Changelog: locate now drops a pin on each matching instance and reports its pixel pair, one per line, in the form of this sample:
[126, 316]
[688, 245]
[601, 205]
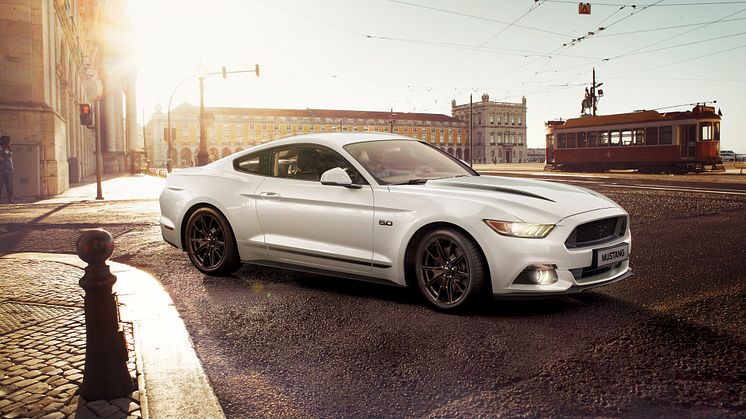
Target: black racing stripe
[334, 258]
[494, 189]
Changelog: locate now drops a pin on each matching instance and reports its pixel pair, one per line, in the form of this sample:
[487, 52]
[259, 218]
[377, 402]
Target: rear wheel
[210, 243]
[450, 269]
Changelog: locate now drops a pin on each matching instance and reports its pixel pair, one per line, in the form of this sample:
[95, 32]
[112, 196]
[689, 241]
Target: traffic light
[86, 115]
[225, 73]
[256, 69]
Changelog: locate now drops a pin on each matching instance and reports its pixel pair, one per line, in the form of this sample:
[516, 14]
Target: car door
[310, 224]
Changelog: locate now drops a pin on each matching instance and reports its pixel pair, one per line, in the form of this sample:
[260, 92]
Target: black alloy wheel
[210, 243]
[450, 269]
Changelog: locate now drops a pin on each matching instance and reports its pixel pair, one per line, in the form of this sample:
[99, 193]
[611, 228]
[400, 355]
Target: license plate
[612, 255]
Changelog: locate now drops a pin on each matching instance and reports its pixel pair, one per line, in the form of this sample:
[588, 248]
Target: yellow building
[233, 129]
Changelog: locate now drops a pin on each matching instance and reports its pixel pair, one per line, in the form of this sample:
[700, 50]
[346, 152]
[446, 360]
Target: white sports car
[386, 208]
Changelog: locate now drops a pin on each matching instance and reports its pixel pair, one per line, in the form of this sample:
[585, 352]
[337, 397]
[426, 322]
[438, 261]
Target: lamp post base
[202, 158]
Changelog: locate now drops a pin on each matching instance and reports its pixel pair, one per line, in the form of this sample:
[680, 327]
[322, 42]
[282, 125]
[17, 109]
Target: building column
[134, 140]
[135, 144]
[111, 146]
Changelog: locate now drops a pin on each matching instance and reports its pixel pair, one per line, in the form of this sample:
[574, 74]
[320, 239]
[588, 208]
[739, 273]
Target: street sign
[584, 8]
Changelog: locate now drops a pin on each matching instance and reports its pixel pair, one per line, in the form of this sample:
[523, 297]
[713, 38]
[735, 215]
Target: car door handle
[269, 195]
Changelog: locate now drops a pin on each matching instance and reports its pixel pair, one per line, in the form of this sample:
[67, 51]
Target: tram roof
[632, 118]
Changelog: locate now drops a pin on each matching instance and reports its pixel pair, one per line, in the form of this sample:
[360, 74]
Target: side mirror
[338, 177]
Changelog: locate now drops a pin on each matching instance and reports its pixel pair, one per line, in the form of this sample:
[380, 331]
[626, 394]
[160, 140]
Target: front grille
[597, 232]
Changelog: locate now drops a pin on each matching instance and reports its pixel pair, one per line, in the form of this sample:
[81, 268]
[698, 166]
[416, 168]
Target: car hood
[531, 201]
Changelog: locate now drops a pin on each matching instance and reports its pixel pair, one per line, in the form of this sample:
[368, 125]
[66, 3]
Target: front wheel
[450, 269]
[210, 243]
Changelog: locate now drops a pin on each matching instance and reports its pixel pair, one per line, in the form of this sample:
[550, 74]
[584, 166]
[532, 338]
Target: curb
[173, 382]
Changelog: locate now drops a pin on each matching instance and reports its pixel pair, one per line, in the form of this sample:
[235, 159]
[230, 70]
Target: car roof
[337, 138]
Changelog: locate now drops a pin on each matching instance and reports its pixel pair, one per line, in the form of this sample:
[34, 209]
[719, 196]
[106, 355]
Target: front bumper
[508, 257]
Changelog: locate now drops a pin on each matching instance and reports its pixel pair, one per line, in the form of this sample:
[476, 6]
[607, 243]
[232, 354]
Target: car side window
[255, 163]
[309, 163]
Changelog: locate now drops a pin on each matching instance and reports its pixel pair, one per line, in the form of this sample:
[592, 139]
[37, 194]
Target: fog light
[538, 274]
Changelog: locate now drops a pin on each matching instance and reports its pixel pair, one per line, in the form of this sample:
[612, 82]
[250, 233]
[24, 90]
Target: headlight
[532, 231]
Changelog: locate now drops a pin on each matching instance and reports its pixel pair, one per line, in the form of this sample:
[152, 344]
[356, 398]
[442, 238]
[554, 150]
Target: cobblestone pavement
[42, 331]
[42, 345]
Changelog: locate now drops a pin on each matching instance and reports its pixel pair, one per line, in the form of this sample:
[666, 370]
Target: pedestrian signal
[584, 8]
[86, 115]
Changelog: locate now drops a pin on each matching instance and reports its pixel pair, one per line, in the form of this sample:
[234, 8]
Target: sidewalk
[42, 334]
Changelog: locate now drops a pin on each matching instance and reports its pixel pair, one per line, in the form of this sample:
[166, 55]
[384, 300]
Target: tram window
[717, 131]
[561, 141]
[639, 137]
[592, 139]
[626, 137]
[665, 135]
[603, 138]
[705, 131]
[616, 138]
[581, 140]
[651, 135]
[571, 140]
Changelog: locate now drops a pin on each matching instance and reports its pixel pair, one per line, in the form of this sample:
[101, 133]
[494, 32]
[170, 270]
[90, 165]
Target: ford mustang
[386, 208]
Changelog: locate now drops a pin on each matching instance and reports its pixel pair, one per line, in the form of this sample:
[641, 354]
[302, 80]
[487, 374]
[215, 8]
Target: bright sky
[417, 55]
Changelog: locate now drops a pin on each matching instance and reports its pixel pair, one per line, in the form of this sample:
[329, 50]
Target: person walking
[6, 168]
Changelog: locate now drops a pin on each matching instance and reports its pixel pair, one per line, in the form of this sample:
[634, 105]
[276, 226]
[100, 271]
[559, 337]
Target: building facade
[499, 129]
[54, 56]
[233, 129]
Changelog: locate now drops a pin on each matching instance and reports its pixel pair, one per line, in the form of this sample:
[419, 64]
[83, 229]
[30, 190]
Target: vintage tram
[648, 141]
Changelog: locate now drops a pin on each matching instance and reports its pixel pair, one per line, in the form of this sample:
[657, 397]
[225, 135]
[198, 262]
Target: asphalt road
[670, 341]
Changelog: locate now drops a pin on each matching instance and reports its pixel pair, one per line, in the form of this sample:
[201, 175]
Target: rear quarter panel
[231, 193]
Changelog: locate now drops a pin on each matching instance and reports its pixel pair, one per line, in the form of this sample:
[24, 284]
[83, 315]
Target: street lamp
[202, 156]
[202, 138]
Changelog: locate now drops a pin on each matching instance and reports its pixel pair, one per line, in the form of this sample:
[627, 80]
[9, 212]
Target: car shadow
[258, 276]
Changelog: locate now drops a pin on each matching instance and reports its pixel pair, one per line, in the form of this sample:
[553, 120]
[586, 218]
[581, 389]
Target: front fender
[399, 216]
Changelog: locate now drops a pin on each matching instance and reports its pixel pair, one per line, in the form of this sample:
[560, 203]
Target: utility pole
[144, 143]
[99, 157]
[471, 131]
[202, 156]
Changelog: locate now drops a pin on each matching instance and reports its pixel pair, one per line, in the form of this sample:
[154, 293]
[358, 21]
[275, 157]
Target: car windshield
[405, 161]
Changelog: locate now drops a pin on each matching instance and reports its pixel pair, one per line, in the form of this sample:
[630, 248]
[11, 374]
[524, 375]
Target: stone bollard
[105, 376]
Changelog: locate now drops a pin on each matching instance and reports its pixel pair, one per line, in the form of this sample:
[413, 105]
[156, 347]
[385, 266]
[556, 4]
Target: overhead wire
[556, 51]
[338, 26]
[453, 12]
[643, 50]
[709, 3]
[675, 36]
[638, 31]
[681, 62]
[506, 51]
[533, 7]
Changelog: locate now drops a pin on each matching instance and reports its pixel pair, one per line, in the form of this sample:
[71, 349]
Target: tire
[450, 269]
[210, 243]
